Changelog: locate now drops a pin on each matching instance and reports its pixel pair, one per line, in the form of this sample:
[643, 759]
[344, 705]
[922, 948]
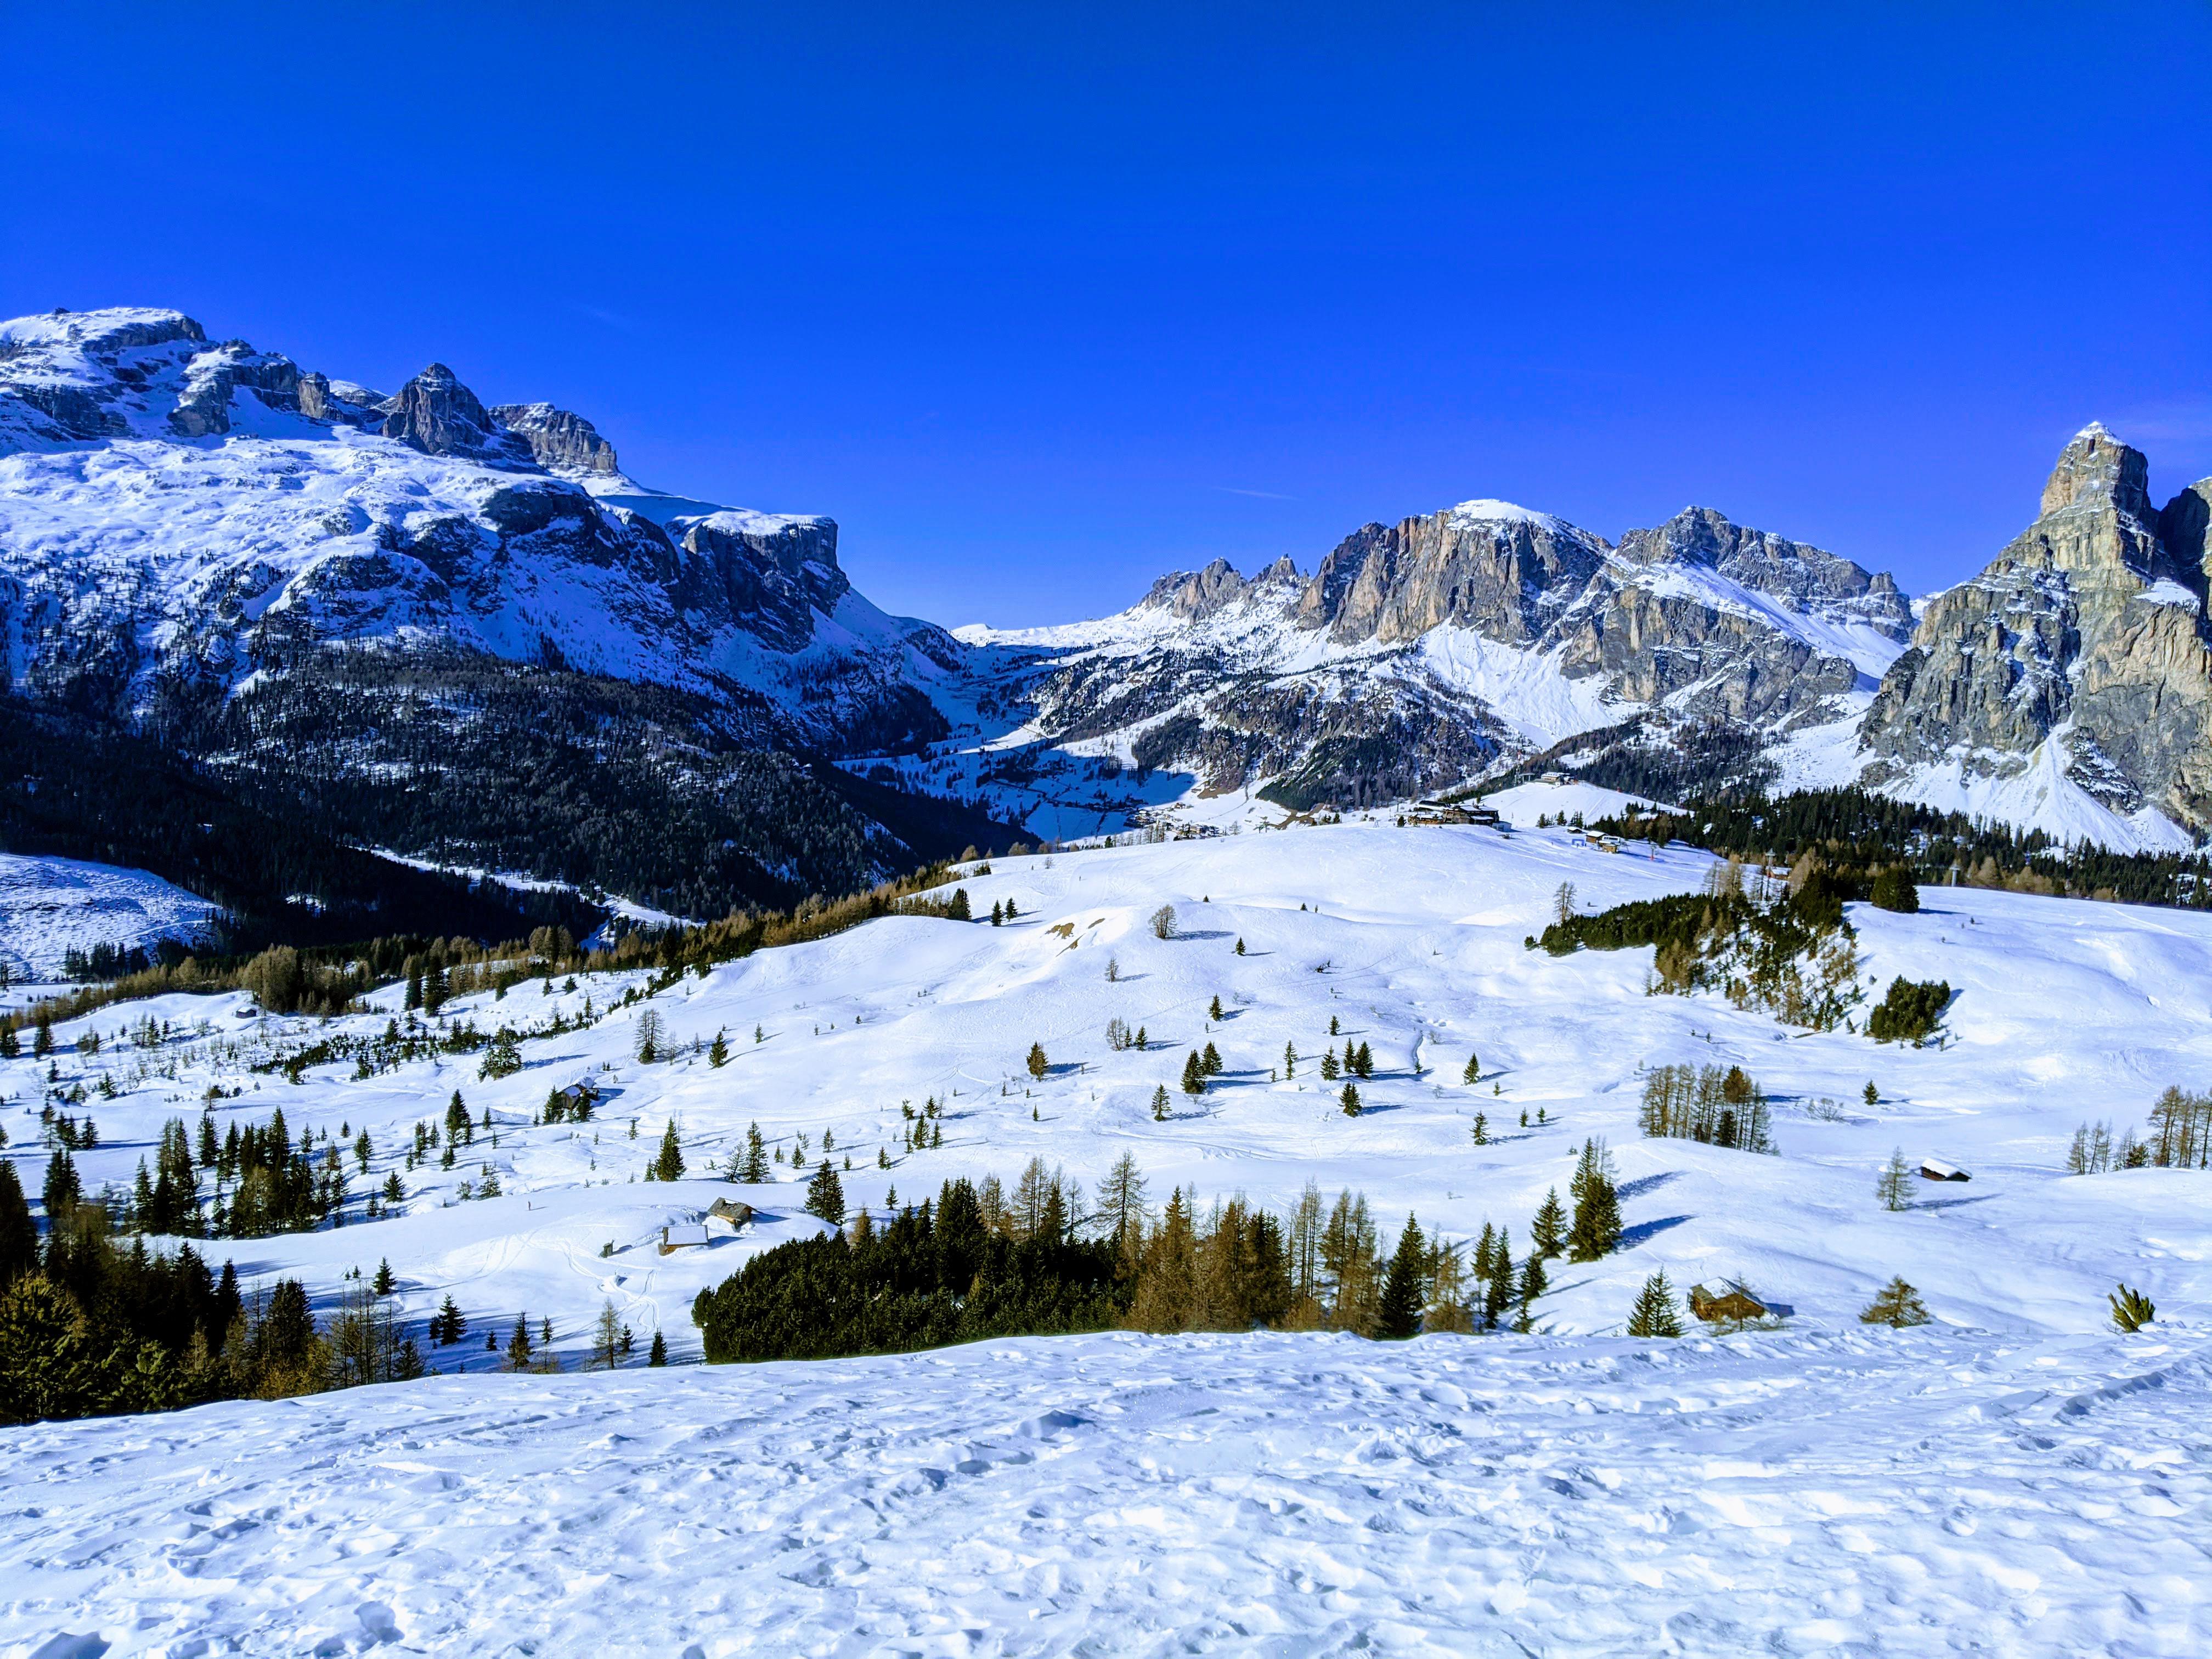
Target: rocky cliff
[2083, 644]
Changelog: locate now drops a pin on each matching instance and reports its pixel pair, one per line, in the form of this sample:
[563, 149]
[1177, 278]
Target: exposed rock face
[434, 412]
[2089, 627]
[559, 441]
[767, 573]
[1486, 565]
[213, 377]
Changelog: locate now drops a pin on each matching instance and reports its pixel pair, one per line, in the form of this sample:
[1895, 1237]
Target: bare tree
[1164, 923]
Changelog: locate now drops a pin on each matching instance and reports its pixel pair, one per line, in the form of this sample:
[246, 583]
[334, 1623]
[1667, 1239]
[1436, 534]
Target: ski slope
[1979, 1483]
[1869, 1493]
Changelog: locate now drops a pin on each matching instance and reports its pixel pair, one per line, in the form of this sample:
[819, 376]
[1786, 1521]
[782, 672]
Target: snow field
[1873, 1493]
[50, 905]
[2069, 1012]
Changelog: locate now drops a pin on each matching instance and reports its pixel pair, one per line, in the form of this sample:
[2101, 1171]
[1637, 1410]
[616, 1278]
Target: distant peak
[2097, 468]
[1489, 511]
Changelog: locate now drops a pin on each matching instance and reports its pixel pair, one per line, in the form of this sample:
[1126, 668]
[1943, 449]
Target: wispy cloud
[1257, 495]
[612, 320]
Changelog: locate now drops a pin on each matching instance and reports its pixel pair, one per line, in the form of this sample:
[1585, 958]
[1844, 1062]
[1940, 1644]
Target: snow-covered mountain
[282, 570]
[1448, 646]
[176, 515]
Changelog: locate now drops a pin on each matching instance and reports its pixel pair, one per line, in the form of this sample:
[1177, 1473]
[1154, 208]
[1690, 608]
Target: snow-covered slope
[1414, 941]
[1906, 1493]
[49, 906]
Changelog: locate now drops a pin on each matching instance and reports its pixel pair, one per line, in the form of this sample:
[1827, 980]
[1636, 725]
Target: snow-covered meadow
[1825, 1489]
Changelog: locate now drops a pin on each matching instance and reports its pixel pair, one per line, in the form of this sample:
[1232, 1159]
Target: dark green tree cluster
[1909, 1012]
[1596, 1231]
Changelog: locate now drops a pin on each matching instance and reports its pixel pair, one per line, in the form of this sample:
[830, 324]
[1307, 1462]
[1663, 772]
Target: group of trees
[1719, 1107]
[1784, 948]
[88, 1326]
[1909, 1012]
[1862, 835]
[980, 1261]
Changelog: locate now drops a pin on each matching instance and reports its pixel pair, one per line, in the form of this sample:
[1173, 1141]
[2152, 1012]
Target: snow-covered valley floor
[2015, 1478]
[1864, 1493]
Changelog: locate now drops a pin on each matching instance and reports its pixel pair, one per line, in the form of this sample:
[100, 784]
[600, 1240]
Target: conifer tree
[518, 1345]
[1363, 1065]
[1872, 1095]
[1897, 1305]
[668, 1163]
[658, 1355]
[754, 1171]
[1655, 1314]
[1534, 1280]
[1038, 1064]
[393, 1192]
[1290, 1061]
[1893, 1187]
[10, 1045]
[19, 1234]
[1330, 1070]
[1498, 1295]
[1332, 1025]
[1481, 1129]
[1404, 1287]
[42, 1040]
[1211, 1060]
[1548, 1230]
[1350, 1100]
[1138, 1041]
[997, 915]
[361, 1150]
[1213, 1012]
[1160, 1104]
[1194, 1074]
[1596, 1228]
[1240, 945]
[825, 1195]
[384, 1282]
[719, 1054]
[1486, 1252]
[1474, 1072]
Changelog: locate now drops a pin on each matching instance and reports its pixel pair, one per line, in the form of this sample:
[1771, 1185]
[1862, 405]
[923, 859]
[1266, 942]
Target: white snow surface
[49, 906]
[1869, 1493]
[2010, 1480]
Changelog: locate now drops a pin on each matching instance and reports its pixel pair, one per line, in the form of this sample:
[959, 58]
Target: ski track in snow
[1870, 1493]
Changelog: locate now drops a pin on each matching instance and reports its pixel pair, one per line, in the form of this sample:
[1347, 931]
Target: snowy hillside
[1413, 942]
[49, 906]
[1902, 1493]
[2005, 1476]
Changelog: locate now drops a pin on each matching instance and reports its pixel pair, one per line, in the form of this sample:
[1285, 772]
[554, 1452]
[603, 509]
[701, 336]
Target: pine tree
[1596, 1228]
[448, 1325]
[393, 1192]
[997, 915]
[1194, 1075]
[518, 1345]
[1334, 1027]
[754, 1171]
[42, 1040]
[1160, 1104]
[1210, 1061]
[1481, 1129]
[458, 1129]
[1486, 1253]
[1872, 1095]
[719, 1054]
[825, 1195]
[1498, 1295]
[1363, 1067]
[384, 1283]
[1290, 1061]
[658, 1355]
[1330, 1070]
[1474, 1072]
[1404, 1291]
[1350, 1100]
[1655, 1314]
[1213, 1012]
[19, 1233]
[1240, 946]
[668, 1163]
[1893, 1186]
[10, 1045]
[1138, 1041]
[1896, 1304]
[1038, 1064]
[1533, 1282]
[361, 1151]
[502, 1059]
[1549, 1230]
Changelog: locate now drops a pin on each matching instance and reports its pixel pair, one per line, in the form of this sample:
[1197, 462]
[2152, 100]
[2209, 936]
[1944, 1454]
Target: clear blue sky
[1040, 301]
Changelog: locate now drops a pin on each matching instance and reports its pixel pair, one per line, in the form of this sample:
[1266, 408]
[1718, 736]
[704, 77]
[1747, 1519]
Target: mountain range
[463, 633]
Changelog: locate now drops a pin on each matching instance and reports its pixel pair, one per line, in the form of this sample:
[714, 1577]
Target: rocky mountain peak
[560, 440]
[2096, 470]
[1192, 596]
[434, 412]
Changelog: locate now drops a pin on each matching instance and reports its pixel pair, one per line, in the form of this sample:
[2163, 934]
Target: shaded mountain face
[1430, 652]
[195, 538]
[2083, 644]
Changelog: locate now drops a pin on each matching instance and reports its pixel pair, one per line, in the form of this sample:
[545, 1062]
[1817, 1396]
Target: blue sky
[1040, 301]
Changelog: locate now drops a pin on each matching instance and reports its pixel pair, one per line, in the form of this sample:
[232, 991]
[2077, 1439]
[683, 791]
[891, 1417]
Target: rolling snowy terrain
[1817, 1489]
[50, 905]
[1870, 1493]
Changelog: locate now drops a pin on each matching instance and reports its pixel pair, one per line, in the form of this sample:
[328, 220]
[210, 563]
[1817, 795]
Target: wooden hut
[679, 1234]
[1935, 1168]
